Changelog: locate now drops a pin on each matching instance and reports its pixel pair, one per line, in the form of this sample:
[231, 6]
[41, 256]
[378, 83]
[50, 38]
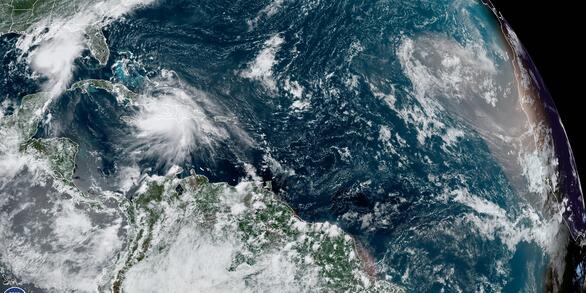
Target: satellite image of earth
[280, 146]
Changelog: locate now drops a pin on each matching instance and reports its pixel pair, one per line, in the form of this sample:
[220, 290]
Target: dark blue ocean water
[15, 77]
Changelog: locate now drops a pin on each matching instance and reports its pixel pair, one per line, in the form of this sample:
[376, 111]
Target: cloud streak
[55, 42]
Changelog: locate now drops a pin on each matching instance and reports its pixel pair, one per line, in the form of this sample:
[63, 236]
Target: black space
[553, 34]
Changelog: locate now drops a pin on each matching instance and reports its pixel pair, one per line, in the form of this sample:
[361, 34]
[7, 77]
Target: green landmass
[29, 114]
[60, 153]
[97, 44]
[18, 15]
[121, 92]
[261, 223]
